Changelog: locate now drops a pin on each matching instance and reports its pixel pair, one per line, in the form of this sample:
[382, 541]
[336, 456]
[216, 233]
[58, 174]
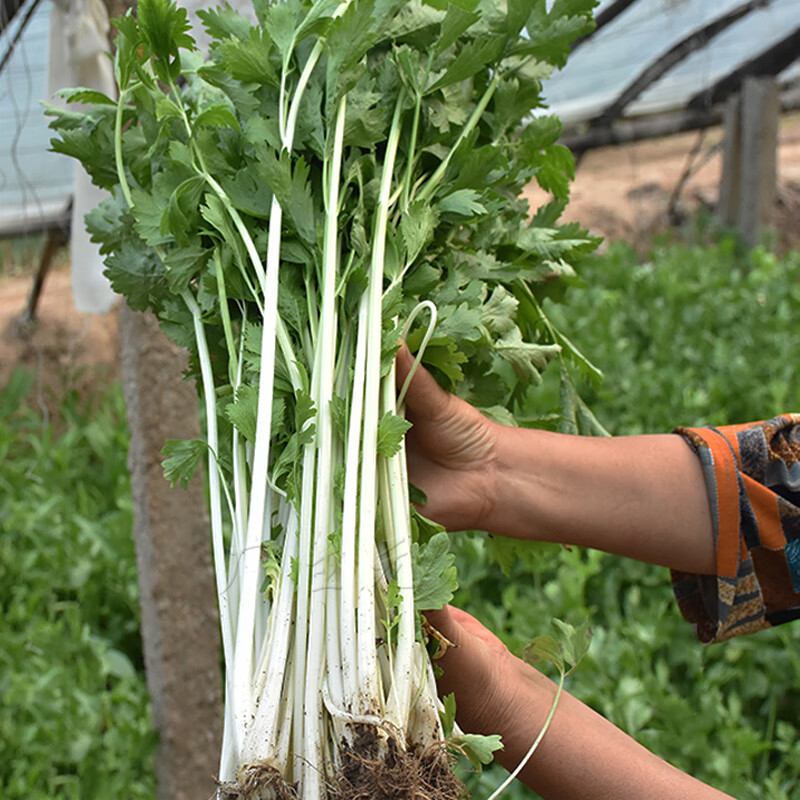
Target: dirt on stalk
[378, 768]
[374, 767]
[258, 782]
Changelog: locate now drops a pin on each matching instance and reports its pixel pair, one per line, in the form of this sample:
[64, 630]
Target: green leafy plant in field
[695, 334]
[698, 332]
[74, 708]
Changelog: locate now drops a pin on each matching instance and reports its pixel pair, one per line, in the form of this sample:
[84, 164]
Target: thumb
[424, 396]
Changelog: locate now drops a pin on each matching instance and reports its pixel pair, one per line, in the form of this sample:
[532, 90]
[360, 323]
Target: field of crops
[700, 332]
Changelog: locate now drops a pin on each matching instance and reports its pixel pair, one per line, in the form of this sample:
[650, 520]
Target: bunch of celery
[334, 178]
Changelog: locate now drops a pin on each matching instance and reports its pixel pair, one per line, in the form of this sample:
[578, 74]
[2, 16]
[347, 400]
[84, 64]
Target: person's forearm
[640, 496]
[583, 756]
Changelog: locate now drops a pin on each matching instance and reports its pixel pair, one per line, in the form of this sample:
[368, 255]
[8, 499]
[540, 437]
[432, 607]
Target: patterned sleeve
[752, 474]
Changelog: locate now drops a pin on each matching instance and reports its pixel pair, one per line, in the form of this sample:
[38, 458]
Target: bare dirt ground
[625, 192]
[619, 193]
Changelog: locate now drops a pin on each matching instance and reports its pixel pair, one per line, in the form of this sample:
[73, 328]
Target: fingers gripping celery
[287, 207]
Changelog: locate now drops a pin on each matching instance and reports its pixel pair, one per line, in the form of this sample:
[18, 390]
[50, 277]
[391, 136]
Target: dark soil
[375, 767]
[258, 782]
[378, 768]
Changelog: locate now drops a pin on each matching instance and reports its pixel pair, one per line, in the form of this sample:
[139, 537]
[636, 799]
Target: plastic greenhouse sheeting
[34, 183]
[601, 68]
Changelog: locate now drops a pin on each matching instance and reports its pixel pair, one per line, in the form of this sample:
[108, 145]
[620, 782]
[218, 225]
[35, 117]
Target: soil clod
[257, 782]
[374, 768]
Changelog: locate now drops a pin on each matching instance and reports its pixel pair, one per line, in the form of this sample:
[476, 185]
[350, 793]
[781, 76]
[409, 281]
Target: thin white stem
[301, 644]
[400, 552]
[322, 392]
[501, 788]
[367, 659]
[349, 643]
[424, 305]
[215, 494]
[270, 676]
[227, 758]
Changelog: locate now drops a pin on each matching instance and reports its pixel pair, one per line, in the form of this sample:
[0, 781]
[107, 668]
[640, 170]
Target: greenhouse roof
[601, 68]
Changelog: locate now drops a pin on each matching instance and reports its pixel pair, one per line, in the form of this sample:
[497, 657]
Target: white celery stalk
[367, 659]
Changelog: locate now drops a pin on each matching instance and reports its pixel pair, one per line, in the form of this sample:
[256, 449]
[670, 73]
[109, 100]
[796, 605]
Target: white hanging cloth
[78, 46]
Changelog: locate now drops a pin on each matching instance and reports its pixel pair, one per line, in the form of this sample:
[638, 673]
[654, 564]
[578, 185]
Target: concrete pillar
[749, 173]
[760, 108]
[180, 626]
[730, 182]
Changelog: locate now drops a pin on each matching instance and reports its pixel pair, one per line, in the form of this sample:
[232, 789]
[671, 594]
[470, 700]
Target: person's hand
[581, 757]
[451, 451]
[478, 668]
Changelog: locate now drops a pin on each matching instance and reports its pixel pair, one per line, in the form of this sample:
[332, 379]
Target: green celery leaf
[291, 187]
[556, 170]
[181, 459]
[279, 20]
[391, 430]
[90, 96]
[418, 497]
[177, 322]
[165, 29]
[448, 714]
[544, 649]
[574, 641]
[499, 312]
[464, 203]
[91, 143]
[499, 414]
[417, 227]
[477, 748]
[456, 22]
[461, 323]
[248, 194]
[434, 572]
[243, 412]
[126, 48]
[183, 265]
[182, 213]
[552, 34]
[348, 39]
[554, 243]
[476, 55]
[527, 358]
[166, 108]
[135, 271]
[249, 61]
[223, 21]
[108, 223]
[241, 94]
[486, 266]
[539, 133]
[443, 356]
[317, 19]
[338, 411]
[304, 413]
[218, 116]
[422, 279]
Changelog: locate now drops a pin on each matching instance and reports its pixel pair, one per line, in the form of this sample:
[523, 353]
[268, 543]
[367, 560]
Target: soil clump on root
[258, 782]
[376, 768]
